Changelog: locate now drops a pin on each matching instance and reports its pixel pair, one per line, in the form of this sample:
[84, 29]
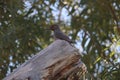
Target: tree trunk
[59, 60]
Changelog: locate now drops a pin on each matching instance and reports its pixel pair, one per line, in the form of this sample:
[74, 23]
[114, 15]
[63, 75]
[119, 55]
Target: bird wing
[61, 35]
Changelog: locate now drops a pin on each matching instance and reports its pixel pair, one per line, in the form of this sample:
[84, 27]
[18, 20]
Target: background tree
[93, 24]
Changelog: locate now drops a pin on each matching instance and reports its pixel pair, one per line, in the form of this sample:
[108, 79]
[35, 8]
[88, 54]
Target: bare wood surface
[55, 62]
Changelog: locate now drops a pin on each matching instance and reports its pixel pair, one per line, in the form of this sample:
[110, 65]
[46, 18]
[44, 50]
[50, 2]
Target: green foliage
[92, 23]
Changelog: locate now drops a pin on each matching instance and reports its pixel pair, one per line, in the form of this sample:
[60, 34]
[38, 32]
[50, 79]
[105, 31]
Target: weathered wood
[55, 62]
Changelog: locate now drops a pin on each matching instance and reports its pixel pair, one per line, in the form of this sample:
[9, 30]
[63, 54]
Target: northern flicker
[58, 34]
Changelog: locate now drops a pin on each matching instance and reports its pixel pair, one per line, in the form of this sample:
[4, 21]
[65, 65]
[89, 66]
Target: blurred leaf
[98, 59]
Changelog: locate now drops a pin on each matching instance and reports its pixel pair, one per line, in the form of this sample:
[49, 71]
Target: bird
[58, 34]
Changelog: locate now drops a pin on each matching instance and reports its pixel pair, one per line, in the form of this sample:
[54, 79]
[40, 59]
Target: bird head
[54, 27]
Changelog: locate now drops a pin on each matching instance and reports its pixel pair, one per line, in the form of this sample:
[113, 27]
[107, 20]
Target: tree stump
[59, 60]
